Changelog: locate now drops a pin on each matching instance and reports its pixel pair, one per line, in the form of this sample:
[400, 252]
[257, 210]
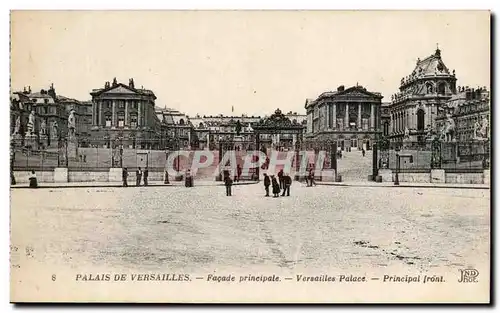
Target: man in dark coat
[138, 177]
[146, 173]
[276, 187]
[267, 183]
[239, 171]
[280, 178]
[229, 183]
[124, 177]
[287, 182]
[311, 178]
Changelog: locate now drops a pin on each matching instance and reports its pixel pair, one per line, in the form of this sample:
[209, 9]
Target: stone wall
[465, 178]
[449, 178]
[22, 177]
[88, 176]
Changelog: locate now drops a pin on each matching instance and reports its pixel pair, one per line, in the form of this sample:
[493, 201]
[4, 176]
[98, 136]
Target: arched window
[181, 122]
[441, 88]
[429, 88]
[420, 120]
[386, 128]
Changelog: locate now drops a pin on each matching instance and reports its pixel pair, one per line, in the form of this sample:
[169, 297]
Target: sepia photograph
[232, 156]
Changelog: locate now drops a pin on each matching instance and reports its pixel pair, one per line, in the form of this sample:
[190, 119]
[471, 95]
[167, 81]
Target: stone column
[99, 113]
[334, 117]
[346, 118]
[359, 116]
[328, 125]
[427, 118]
[372, 116]
[126, 113]
[93, 113]
[113, 116]
[139, 111]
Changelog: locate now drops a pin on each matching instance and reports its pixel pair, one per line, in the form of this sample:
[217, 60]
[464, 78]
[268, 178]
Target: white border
[183, 5]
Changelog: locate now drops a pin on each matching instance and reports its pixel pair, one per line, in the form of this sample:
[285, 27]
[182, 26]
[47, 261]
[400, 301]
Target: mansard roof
[431, 65]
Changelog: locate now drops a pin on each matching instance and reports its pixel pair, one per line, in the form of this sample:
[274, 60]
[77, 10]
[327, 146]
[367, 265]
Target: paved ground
[179, 228]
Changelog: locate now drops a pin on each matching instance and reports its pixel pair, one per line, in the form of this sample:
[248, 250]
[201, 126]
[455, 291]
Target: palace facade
[470, 112]
[351, 117]
[51, 116]
[414, 108]
[125, 115]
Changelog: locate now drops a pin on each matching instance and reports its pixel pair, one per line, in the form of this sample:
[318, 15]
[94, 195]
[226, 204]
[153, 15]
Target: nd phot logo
[468, 275]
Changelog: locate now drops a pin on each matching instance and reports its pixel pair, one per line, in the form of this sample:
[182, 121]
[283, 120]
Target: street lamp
[396, 179]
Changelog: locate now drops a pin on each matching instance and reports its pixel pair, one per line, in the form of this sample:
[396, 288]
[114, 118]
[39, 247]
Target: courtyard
[157, 228]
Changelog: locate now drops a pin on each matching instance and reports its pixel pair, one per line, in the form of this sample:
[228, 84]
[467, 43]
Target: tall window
[121, 104]
[420, 120]
[107, 118]
[121, 119]
[386, 129]
[441, 88]
[133, 120]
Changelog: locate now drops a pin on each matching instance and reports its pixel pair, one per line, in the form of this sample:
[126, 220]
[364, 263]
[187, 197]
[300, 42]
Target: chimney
[341, 88]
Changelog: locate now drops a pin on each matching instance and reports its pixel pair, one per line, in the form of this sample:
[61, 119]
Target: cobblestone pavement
[318, 227]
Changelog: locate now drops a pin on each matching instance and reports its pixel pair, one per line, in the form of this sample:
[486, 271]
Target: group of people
[283, 182]
[139, 175]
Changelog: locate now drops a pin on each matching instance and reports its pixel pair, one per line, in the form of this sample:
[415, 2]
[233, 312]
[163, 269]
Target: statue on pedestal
[71, 124]
[54, 132]
[484, 128]
[31, 124]
[17, 127]
[43, 128]
[449, 129]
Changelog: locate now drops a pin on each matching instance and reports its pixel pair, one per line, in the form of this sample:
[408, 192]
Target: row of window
[121, 120]
[108, 104]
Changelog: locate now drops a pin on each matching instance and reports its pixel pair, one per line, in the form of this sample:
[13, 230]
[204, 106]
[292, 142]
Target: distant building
[385, 118]
[125, 115]
[351, 117]
[414, 109]
[175, 129]
[51, 115]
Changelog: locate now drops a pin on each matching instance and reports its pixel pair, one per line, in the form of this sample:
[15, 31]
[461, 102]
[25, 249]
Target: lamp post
[396, 179]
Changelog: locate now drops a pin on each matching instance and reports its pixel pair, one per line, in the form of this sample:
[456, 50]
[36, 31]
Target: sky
[208, 62]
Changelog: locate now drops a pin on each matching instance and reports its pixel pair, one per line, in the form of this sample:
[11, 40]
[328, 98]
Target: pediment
[358, 93]
[119, 89]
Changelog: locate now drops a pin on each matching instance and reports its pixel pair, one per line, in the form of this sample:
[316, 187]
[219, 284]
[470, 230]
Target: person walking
[124, 177]
[267, 183]
[311, 178]
[146, 173]
[138, 177]
[239, 170]
[189, 179]
[287, 182]
[276, 187]
[280, 178]
[33, 180]
[229, 183]
[363, 151]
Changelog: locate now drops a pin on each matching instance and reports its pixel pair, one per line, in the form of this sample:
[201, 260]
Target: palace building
[414, 108]
[351, 117]
[470, 111]
[126, 115]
